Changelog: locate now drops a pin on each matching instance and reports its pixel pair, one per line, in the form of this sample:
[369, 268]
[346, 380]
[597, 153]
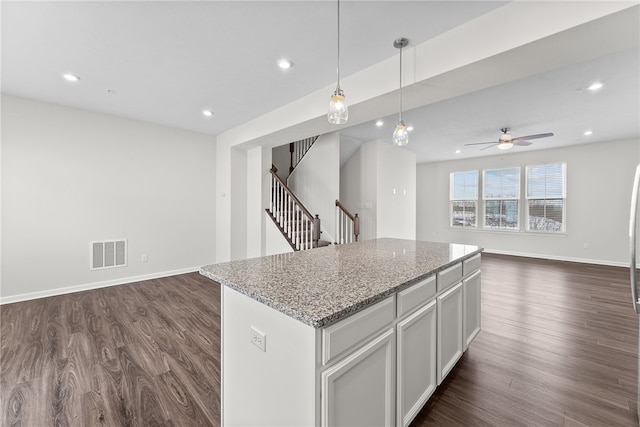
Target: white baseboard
[559, 258]
[89, 286]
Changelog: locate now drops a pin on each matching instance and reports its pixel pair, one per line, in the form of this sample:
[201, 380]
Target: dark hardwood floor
[146, 353]
[558, 347]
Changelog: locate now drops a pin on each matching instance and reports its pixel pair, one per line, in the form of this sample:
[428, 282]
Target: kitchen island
[355, 334]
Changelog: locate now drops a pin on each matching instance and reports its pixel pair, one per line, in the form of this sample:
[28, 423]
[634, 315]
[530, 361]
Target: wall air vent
[108, 254]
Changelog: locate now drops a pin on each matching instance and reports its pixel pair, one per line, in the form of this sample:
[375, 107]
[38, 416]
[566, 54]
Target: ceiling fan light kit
[506, 141]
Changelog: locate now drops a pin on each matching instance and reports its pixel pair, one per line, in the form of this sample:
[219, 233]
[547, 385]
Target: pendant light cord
[338, 70]
[400, 83]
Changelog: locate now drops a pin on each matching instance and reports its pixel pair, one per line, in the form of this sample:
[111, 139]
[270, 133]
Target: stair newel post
[356, 226]
[305, 234]
[316, 230]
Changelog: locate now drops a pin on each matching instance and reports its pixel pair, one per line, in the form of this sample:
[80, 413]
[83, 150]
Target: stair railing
[296, 223]
[298, 149]
[347, 225]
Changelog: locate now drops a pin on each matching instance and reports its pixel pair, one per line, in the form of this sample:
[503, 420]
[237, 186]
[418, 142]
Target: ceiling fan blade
[522, 143]
[481, 143]
[494, 144]
[538, 136]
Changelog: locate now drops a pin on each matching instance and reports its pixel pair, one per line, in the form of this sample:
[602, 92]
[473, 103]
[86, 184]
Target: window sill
[528, 233]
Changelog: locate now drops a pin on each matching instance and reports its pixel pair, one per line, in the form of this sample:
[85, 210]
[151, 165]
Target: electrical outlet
[144, 258]
[259, 339]
[585, 246]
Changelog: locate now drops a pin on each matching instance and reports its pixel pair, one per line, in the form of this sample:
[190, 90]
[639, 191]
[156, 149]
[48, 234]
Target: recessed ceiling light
[207, 113]
[70, 77]
[379, 123]
[458, 151]
[595, 86]
[588, 132]
[409, 128]
[285, 64]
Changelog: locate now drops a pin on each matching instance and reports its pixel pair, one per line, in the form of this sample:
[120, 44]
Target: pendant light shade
[400, 134]
[338, 111]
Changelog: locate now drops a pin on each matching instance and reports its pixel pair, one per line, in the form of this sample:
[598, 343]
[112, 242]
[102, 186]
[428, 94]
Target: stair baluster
[297, 225]
[298, 149]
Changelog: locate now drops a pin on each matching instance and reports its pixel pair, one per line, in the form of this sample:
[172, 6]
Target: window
[463, 188]
[546, 197]
[501, 195]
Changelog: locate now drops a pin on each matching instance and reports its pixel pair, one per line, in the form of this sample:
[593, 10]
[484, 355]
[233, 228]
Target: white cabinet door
[360, 390]
[416, 357]
[450, 341]
[472, 304]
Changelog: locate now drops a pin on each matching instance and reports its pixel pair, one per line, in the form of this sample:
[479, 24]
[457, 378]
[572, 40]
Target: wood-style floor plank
[558, 347]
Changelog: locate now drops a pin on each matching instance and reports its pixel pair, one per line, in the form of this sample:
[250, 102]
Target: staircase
[299, 227]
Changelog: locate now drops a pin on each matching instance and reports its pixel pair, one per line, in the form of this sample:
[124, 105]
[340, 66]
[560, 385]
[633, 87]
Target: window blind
[463, 196]
[501, 195]
[546, 194]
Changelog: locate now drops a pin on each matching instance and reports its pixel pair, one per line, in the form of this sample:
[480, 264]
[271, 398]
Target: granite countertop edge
[334, 317]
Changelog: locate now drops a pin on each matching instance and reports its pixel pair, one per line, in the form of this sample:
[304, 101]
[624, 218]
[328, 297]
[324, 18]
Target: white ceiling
[163, 62]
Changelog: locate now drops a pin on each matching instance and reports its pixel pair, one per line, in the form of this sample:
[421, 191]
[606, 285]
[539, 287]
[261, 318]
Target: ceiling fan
[506, 141]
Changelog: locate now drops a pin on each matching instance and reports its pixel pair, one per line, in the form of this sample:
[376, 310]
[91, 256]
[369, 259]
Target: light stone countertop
[321, 286]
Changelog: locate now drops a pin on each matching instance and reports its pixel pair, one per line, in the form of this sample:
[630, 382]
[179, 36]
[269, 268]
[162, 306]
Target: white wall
[258, 199]
[379, 184]
[71, 176]
[238, 196]
[281, 158]
[358, 189]
[599, 181]
[316, 181]
[396, 205]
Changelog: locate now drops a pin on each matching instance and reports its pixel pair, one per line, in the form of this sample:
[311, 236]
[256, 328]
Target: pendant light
[401, 134]
[338, 112]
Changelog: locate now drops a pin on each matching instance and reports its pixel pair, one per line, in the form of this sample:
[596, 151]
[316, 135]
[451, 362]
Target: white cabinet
[360, 390]
[472, 304]
[450, 318]
[377, 367]
[416, 362]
